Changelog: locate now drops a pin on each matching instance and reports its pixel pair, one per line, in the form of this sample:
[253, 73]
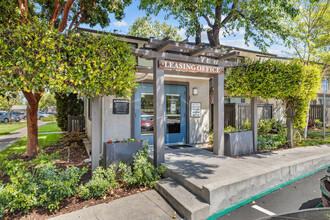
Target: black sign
[120, 106]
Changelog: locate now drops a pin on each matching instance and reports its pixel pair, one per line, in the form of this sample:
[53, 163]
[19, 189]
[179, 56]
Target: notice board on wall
[120, 107]
[195, 109]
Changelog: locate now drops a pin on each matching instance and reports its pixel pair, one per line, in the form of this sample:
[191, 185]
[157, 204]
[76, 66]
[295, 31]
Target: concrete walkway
[213, 183]
[9, 139]
[142, 206]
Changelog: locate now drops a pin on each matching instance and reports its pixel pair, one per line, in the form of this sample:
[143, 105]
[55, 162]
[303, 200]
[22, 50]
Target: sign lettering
[189, 67]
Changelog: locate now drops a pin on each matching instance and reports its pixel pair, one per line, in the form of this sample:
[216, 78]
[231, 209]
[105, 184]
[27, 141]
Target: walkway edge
[246, 201]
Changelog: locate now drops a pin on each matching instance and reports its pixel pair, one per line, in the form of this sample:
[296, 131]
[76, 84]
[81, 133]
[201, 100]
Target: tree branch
[230, 15]
[55, 13]
[207, 20]
[67, 8]
[23, 11]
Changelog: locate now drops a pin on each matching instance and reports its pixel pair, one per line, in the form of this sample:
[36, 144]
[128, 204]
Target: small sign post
[325, 90]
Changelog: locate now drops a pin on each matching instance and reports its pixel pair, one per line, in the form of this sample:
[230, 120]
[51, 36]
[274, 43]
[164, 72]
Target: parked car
[42, 115]
[18, 114]
[4, 117]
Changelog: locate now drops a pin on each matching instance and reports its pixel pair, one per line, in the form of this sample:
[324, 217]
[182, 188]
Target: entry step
[186, 203]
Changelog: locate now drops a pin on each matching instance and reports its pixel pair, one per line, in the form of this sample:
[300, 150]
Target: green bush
[49, 118]
[246, 125]
[102, 181]
[42, 187]
[264, 127]
[67, 105]
[271, 134]
[142, 172]
[318, 123]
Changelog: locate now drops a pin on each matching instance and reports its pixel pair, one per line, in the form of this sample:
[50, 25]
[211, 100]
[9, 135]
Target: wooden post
[96, 132]
[159, 114]
[219, 119]
[254, 122]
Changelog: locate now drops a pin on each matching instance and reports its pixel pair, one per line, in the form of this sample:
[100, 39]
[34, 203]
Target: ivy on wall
[291, 82]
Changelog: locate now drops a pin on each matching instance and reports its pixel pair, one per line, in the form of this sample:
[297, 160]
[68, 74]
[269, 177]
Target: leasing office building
[186, 95]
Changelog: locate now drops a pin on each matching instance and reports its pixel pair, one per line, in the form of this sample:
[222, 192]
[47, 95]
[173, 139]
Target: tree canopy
[310, 31]
[47, 100]
[145, 27]
[259, 19]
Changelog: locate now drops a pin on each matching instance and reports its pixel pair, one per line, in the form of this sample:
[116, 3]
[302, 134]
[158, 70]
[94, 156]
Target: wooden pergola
[187, 59]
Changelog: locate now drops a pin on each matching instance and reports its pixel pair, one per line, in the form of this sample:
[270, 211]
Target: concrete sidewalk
[9, 139]
[143, 206]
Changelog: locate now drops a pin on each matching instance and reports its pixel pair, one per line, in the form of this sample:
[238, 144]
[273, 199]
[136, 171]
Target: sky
[132, 12]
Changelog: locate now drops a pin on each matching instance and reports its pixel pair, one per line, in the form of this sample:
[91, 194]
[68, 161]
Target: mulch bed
[74, 156]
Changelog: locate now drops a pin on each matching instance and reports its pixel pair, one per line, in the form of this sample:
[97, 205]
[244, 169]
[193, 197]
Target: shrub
[230, 129]
[49, 118]
[102, 181]
[142, 172]
[270, 142]
[67, 105]
[246, 125]
[318, 123]
[264, 127]
[42, 187]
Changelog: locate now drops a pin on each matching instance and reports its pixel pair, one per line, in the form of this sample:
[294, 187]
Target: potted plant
[120, 151]
[238, 142]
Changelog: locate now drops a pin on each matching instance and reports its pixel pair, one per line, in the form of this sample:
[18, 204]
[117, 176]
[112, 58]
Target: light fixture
[195, 91]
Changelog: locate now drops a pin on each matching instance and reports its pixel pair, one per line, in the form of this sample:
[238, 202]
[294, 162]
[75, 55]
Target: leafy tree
[35, 58]
[260, 19]
[145, 27]
[47, 100]
[310, 31]
[293, 83]
[43, 59]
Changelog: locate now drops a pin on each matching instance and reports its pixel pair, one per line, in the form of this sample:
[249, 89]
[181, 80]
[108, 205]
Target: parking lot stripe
[263, 210]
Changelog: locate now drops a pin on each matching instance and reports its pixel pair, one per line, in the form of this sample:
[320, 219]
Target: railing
[76, 123]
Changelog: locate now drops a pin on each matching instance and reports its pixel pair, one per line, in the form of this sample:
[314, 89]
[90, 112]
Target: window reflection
[147, 113]
[173, 113]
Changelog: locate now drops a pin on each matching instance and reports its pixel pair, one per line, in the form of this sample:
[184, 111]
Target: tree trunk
[32, 130]
[213, 36]
[198, 38]
[10, 114]
[289, 124]
[32, 122]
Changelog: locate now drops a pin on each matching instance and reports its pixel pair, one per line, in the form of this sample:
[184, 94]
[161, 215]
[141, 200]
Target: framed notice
[195, 109]
[120, 107]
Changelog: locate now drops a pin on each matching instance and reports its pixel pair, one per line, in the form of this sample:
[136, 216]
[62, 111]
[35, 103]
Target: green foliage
[142, 172]
[47, 100]
[318, 123]
[49, 118]
[271, 134]
[291, 82]
[264, 127]
[229, 129]
[310, 31]
[65, 62]
[259, 19]
[67, 105]
[45, 186]
[246, 125]
[145, 27]
[102, 181]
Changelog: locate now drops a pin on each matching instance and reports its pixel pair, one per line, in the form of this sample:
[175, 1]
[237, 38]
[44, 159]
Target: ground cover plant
[57, 180]
[314, 139]
[6, 128]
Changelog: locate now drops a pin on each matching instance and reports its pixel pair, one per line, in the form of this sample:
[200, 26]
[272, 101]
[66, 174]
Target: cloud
[120, 24]
[237, 43]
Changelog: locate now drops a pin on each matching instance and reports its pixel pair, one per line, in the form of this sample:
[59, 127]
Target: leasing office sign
[189, 67]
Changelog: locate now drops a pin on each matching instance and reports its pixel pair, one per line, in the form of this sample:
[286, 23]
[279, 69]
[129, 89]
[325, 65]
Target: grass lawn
[8, 128]
[50, 127]
[20, 146]
[314, 139]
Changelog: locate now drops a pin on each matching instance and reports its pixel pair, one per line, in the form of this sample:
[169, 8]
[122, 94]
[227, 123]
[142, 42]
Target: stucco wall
[88, 122]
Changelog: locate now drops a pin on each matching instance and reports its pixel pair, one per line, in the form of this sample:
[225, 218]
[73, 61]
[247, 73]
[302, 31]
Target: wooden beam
[165, 46]
[166, 38]
[198, 52]
[149, 54]
[229, 55]
[184, 41]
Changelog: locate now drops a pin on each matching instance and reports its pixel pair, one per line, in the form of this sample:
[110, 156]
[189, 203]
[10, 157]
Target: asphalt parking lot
[302, 194]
